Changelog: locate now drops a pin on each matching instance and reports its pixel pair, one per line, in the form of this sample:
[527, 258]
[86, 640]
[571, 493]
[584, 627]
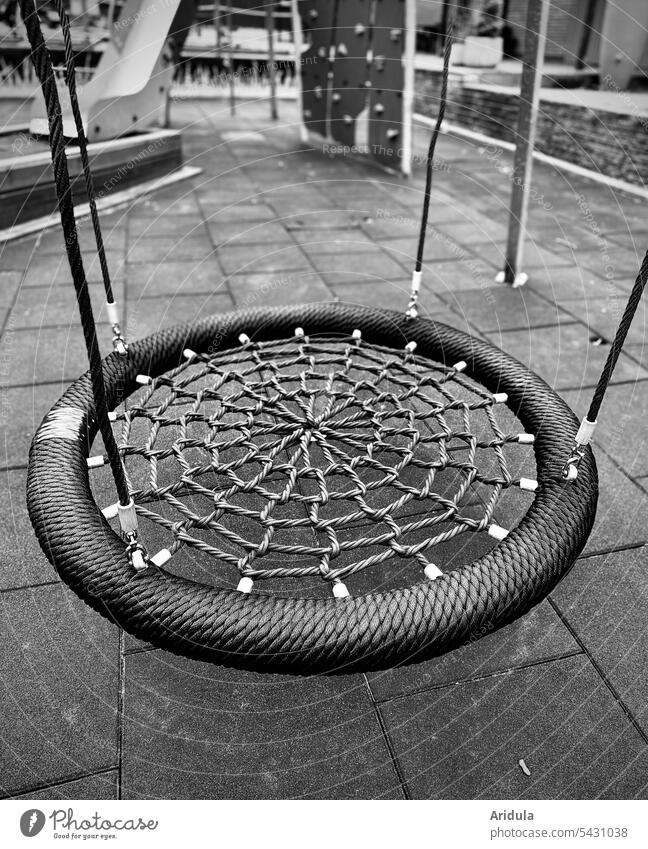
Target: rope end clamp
[582, 440]
[136, 552]
[412, 307]
[119, 343]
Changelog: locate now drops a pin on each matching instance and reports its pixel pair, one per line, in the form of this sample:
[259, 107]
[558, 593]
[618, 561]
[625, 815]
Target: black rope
[619, 340]
[70, 78]
[433, 141]
[42, 62]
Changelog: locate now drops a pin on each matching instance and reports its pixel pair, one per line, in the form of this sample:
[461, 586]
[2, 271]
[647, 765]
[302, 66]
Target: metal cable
[619, 340]
[119, 342]
[70, 79]
[42, 62]
[433, 141]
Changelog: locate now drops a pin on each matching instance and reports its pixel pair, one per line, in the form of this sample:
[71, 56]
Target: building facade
[599, 34]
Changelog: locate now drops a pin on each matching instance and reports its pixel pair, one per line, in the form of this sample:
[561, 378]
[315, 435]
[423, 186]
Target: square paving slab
[198, 731]
[539, 636]
[60, 671]
[23, 563]
[466, 741]
[566, 356]
[103, 785]
[602, 600]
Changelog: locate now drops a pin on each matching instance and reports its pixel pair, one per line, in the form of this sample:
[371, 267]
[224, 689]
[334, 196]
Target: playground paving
[91, 714]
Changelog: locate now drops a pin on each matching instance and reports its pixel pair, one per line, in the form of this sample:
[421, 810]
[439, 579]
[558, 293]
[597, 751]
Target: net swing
[286, 455]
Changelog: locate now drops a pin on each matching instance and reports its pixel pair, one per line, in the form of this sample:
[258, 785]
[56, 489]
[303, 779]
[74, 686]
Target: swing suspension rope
[43, 66]
[119, 343]
[588, 424]
[304, 427]
[412, 309]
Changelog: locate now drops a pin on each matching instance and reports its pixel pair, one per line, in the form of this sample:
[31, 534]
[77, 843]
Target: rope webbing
[280, 440]
[42, 62]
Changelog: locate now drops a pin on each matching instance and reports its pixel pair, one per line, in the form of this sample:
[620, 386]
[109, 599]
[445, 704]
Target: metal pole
[409, 56]
[271, 59]
[217, 26]
[217, 30]
[111, 15]
[219, 58]
[298, 45]
[534, 47]
[230, 60]
[585, 34]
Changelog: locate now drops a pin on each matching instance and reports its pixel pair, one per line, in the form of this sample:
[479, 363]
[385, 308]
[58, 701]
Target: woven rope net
[319, 458]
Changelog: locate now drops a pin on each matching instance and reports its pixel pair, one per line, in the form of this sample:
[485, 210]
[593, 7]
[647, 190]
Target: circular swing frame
[266, 633]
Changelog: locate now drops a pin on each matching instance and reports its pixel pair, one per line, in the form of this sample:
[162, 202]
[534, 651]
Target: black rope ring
[304, 635]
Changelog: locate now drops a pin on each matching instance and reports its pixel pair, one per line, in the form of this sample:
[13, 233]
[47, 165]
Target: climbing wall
[319, 24]
[353, 74]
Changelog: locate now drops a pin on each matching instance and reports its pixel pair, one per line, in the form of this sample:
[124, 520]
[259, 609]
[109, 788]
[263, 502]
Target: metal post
[298, 46]
[586, 33]
[271, 61]
[230, 60]
[219, 59]
[409, 56]
[534, 47]
[111, 15]
[217, 26]
[84, 13]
